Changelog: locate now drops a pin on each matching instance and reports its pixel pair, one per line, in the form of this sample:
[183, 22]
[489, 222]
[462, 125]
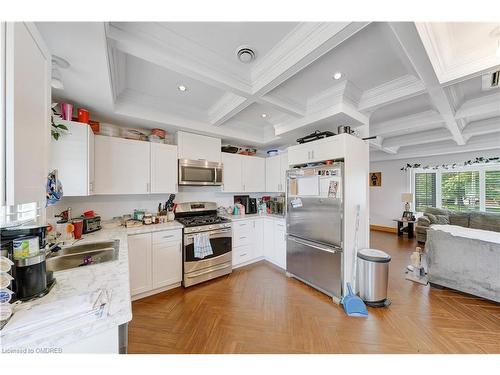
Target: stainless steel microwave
[200, 172]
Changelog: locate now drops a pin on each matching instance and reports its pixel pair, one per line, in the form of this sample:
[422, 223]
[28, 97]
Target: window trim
[481, 168]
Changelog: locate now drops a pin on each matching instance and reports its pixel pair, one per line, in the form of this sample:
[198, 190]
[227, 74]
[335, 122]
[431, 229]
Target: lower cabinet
[261, 238]
[155, 261]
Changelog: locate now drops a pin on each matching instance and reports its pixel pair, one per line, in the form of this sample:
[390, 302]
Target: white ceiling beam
[406, 123]
[282, 105]
[377, 144]
[488, 126]
[410, 41]
[417, 138]
[390, 92]
[226, 107]
[486, 105]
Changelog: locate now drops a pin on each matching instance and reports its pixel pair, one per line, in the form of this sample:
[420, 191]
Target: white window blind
[460, 191]
[425, 191]
[19, 214]
[492, 193]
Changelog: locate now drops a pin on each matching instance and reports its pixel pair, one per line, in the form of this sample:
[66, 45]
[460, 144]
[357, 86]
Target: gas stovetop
[203, 223]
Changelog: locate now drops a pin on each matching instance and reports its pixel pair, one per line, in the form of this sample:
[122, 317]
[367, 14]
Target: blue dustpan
[353, 305]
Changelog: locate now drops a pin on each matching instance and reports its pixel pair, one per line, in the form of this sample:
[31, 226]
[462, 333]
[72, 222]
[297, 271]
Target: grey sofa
[470, 265]
[476, 220]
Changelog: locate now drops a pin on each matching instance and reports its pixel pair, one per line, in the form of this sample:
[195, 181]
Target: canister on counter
[24, 247]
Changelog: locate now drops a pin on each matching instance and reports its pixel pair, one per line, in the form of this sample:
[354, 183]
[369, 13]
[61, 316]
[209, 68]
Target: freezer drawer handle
[314, 246]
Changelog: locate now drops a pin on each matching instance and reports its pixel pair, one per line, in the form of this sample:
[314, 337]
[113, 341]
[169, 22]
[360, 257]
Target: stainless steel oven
[215, 265]
[200, 172]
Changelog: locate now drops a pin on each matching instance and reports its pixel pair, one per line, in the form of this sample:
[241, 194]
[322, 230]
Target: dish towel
[202, 247]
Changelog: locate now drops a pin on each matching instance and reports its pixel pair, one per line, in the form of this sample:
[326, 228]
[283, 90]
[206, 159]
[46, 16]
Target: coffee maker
[31, 279]
[249, 203]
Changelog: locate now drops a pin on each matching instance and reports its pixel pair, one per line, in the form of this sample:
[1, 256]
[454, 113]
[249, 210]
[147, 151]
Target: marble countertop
[113, 277]
[252, 216]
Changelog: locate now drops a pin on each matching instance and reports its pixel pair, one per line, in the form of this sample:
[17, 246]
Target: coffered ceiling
[421, 88]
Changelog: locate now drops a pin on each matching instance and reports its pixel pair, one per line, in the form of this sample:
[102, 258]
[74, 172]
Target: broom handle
[355, 260]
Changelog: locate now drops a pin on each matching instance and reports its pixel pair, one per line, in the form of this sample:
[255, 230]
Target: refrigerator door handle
[315, 246]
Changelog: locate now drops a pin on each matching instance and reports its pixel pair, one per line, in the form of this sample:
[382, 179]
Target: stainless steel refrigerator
[314, 217]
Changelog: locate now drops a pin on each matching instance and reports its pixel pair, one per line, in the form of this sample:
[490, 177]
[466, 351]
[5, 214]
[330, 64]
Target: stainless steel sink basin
[83, 255]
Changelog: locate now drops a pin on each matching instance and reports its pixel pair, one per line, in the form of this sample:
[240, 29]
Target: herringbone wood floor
[257, 309]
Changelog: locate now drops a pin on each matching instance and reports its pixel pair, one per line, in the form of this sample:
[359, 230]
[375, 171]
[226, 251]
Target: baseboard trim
[381, 228]
[154, 291]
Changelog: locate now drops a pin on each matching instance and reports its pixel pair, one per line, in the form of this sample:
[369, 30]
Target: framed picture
[375, 179]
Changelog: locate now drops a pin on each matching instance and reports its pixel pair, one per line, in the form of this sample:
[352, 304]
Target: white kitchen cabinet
[253, 174]
[73, 157]
[320, 150]
[155, 261]
[122, 166]
[280, 243]
[243, 174]
[258, 225]
[198, 147]
[276, 167]
[163, 168]
[26, 98]
[232, 174]
[167, 263]
[139, 258]
[269, 239]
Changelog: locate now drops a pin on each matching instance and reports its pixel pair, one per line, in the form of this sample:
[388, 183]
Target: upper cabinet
[25, 78]
[73, 157]
[243, 174]
[198, 147]
[276, 167]
[316, 151]
[122, 166]
[163, 168]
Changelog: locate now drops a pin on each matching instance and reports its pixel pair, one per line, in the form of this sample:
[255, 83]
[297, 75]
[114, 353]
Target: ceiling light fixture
[264, 115]
[182, 88]
[337, 76]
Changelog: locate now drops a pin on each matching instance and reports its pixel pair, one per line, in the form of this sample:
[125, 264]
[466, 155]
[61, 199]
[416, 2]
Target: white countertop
[252, 216]
[110, 276]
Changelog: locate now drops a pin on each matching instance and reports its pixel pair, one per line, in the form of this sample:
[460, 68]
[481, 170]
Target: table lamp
[407, 198]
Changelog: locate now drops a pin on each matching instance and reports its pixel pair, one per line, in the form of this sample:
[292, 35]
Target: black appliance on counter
[91, 224]
[249, 203]
[31, 279]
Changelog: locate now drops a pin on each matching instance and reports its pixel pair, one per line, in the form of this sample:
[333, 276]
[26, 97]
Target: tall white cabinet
[25, 109]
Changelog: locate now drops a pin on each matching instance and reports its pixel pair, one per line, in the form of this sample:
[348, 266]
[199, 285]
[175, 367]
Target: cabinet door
[26, 119]
[268, 239]
[282, 172]
[139, 258]
[242, 254]
[232, 177]
[300, 154]
[198, 147]
[121, 166]
[273, 174]
[167, 263]
[163, 168]
[254, 174]
[258, 236]
[280, 243]
[69, 155]
[91, 160]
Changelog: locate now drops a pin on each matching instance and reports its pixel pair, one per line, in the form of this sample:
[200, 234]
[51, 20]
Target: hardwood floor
[257, 309]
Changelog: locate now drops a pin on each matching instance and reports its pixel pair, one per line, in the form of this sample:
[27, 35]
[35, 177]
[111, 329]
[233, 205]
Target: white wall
[109, 206]
[385, 201]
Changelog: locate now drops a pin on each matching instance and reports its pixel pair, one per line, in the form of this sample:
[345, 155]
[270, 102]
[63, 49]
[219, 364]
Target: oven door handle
[204, 272]
[216, 234]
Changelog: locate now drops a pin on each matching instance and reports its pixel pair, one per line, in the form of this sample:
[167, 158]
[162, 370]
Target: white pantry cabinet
[25, 98]
[276, 167]
[155, 262]
[243, 174]
[198, 147]
[122, 166]
[163, 168]
[139, 258]
[73, 157]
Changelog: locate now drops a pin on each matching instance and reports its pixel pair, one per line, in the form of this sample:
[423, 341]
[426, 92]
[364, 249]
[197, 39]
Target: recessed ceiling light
[182, 88]
[264, 115]
[337, 75]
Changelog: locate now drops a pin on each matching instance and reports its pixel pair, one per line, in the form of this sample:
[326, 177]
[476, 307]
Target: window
[460, 191]
[469, 188]
[17, 215]
[425, 191]
[492, 194]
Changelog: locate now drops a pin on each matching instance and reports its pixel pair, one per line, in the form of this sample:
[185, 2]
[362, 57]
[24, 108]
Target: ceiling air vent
[491, 80]
[245, 54]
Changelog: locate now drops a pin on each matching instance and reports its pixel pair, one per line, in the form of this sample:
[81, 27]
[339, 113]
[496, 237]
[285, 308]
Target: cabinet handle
[312, 152]
[147, 187]
[168, 236]
[242, 255]
[242, 238]
[308, 155]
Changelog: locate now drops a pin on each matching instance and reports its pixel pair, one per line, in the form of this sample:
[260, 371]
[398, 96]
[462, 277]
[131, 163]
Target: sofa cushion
[436, 211]
[423, 221]
[459, 218]
[485, 221]
[442, 219]
[432, 218]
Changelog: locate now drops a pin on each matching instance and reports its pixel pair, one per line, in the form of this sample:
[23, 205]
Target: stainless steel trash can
[372, 276]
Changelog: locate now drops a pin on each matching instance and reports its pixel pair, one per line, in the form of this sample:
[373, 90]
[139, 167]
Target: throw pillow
[442, 219]
[432, 218]
[424, 221]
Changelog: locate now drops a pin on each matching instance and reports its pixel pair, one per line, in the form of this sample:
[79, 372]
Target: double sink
[73, 256]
